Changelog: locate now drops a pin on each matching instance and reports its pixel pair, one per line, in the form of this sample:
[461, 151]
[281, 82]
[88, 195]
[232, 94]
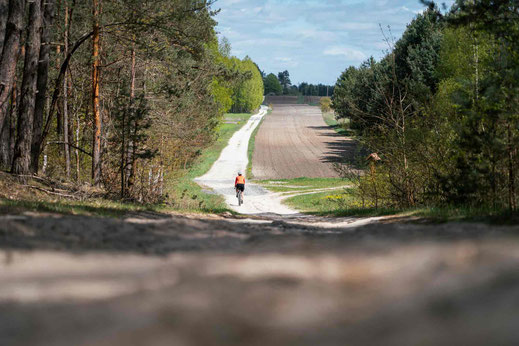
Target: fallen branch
[52, 192]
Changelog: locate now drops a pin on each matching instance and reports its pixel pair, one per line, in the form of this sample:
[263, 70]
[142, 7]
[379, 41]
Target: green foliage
[164, 88]
[272, 85]
[222, 86]
[325, 104]
[165, 84]
[284, 80]
[248, 93]
[315, 90]
[416, 55]
[441, 109]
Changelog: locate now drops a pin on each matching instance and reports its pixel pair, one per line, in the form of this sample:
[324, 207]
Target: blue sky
[315, 40]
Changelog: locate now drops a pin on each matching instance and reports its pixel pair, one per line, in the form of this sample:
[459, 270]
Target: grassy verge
[98, 207]
[465, 214]
[17, 196]
[302, 184]
[187, 195]
[339, 202]
[342, 203]
[341, 126]
[251, 147]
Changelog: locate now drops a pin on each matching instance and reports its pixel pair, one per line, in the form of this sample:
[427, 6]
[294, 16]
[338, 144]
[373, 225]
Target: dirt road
[294, 141]
[234, 159]
[174, 280]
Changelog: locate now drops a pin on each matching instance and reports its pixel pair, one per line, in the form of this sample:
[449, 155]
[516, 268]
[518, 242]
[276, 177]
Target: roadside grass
[466, 214]
[252, 145]
[335, 203]
[342, 203]
[97, 207]
[184, 193]
[302, 184]
[321, 203]
[17, 196]
[341, 126]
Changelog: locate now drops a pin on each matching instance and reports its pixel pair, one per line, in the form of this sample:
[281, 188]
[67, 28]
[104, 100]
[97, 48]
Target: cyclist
[239, 183]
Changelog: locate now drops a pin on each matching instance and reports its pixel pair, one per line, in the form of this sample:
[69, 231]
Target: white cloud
[354, 26]
[314, 39]
[286, 62]
[350, 53]
[405, 8]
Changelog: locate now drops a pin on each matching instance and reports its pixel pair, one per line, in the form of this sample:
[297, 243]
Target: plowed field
[294, 142]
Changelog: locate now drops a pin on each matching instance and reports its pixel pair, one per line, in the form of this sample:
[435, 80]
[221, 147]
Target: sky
[315, 40]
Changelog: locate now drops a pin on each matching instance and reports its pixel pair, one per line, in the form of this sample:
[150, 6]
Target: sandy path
[234, 159]
[294, 141]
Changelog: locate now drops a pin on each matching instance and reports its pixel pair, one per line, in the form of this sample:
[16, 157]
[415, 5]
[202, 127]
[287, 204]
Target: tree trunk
[4, 143]
[6, 139]
[476, 68]
[131, 166]
[4, 11]
[78, 130]
[66, 147]
[22, 150]
[96, 145]
[41, 84]
[7, 135]
[511, 170]
[11, 48]
[12, 123]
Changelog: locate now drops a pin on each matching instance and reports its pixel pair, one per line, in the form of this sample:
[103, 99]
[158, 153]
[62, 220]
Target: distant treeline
[281, 85]
[441, 110]
[119, 94]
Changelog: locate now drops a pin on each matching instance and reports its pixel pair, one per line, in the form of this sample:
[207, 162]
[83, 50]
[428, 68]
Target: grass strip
[338, 126]
[301, 184]
[97, 207]
[344, 204]
[252, 146]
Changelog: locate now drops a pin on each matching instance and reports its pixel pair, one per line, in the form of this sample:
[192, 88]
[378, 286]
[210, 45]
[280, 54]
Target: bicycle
[240, 197]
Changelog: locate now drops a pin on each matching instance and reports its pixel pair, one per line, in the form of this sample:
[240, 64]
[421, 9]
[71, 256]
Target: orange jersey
[239, 180]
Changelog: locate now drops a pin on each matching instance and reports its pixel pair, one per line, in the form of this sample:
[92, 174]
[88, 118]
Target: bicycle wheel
[240, 198]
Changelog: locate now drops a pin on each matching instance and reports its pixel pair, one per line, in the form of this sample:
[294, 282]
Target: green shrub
[326, 104]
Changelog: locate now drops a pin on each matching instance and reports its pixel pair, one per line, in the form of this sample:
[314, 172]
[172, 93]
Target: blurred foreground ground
[171, 280]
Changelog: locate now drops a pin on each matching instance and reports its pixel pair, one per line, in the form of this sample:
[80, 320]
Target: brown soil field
[294, 141]
[312, 99]
[272, 99]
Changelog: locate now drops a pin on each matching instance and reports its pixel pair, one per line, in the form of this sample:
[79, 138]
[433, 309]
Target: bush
[326, 104]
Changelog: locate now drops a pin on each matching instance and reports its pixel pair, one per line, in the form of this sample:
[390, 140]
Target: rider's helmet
[239, 173]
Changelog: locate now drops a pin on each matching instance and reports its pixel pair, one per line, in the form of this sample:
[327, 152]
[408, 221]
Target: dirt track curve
[294, 141]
